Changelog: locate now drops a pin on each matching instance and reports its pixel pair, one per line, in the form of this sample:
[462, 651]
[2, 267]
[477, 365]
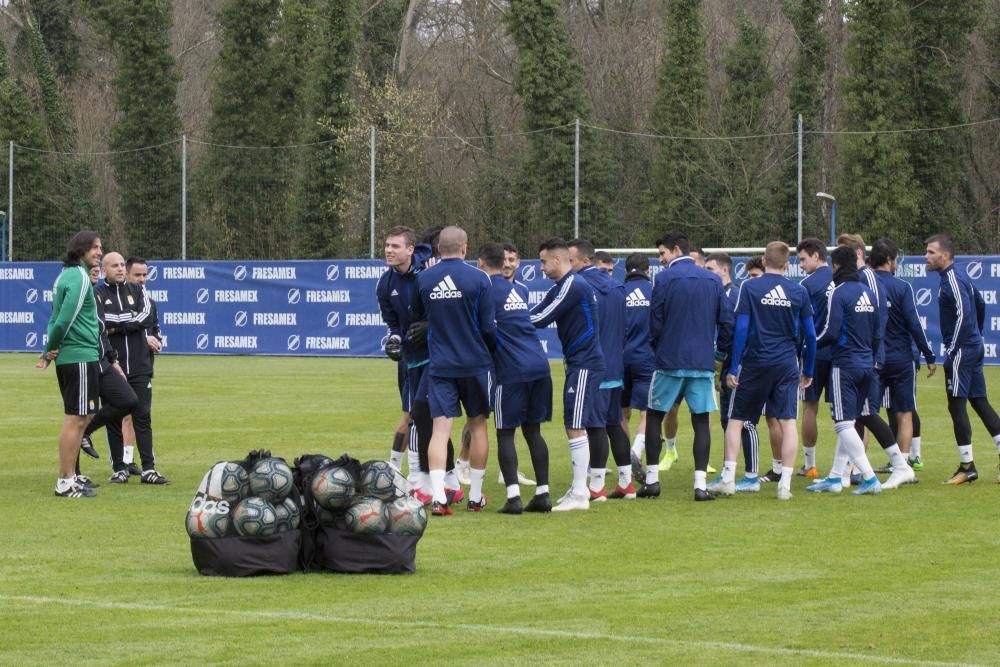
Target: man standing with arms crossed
[456, 300]
[73, 343]
[572, 305]
[962, 312]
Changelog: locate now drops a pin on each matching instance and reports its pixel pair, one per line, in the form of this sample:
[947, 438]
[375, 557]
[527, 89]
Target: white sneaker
[899, 477]
[572, 501]
[720, 488]
[463, 474]
[783, 493]
[521, 479]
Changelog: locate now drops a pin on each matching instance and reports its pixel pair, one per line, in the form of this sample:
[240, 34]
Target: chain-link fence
[194, 199]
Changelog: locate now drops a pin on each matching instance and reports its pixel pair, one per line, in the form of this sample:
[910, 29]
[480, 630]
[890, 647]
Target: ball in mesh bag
[407, 516]
[208, 517]
[255, 517]
[289, 514]
[226, 480]
[378, 479]
[333, 488]
[271, 479]
[367, 514]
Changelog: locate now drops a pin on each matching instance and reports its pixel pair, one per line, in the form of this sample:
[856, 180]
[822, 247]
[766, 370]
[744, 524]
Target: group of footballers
[465, 338]
[102, 336]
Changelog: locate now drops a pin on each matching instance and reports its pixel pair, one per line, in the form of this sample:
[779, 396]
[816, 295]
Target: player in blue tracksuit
[611, 306]
[773, 322]
[522, 396]
[897, 375]
[852, 328]
[688, 308]
[962, 312]
[455, 298]
[572, 305]
[638, 355]
[819, 284]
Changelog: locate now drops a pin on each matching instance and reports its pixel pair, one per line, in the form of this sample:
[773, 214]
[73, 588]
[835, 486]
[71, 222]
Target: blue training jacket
[819, 284]
[611, 306]
[519, 355]
[638, 343]
[961, 308]
[397, 299]
[572, 304]
[852, 326]
[902, 327]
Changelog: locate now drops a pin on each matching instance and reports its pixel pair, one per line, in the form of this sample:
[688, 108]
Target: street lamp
[833, 215]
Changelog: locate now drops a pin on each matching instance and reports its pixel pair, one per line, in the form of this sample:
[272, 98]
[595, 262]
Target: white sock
[541, 488]
[699, 479]
[839, 465]
[476, 489]
[996, 441]
[750, 475]
[728, 471]
[965, 453]
[597, 479]
[896, 458]
[579, 454]
[451, 480]
[437, 485]
[915, 448]
[786, 478]
[64, 484]
[652, 474]
[413, 465]
[513, 491]
[624, 476]
[776, 466]
[639, 444]
[670, 443]
[854, 446]
[810, 452]
[461, 463]
[128, 454]
[396, 459]
[426, 483]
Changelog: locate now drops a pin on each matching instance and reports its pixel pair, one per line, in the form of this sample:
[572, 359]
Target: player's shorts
[609, 404]
[581, 399]
[80, 386]
[403, 384]
[820, 383]
[963, 373]
[667, 389]
[635, 388]
[776, 387]
[447, 396]
[416, 384]
[898, 382]
[854, 392]
[519, 403]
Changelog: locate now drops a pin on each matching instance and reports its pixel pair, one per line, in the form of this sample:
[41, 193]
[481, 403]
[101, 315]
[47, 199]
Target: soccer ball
[378, 479]
[367, 515]
[407, 516]
[208, 517]
[289, 515]
[333, 487]
[226, 480]
[271, 479]
[332, 519]
[255, 517]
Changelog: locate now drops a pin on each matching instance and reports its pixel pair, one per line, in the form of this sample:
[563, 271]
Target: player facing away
[898, 373]
[638, 355]
[852, 327]
[687, 310]
[572, 305]
[773, 320]
[73, 343]
[611, 324]
[456, 299]
[522, 396]
[818, 283]
[962, 312]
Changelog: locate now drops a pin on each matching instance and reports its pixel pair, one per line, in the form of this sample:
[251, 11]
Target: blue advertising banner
[329, 307]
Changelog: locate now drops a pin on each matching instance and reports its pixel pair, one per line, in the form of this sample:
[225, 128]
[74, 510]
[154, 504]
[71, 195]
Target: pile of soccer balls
[232, 501]
[376, 502]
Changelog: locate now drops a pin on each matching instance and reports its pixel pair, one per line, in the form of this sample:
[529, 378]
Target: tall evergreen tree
[243, 191]
[325, 166]
[55, 23]
[549, 81]
[678, 197]
[145, 133]
[880, 197]
[747, 178]
[380, 38]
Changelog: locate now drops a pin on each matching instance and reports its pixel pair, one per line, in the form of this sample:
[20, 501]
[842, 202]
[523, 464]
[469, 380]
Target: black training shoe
[83, 480]
[87, 447]
[771, 476]
[153, 477]
[76, 491]
[512, 506]
[474, 506]
[133, 469]
[966, 474]
[119, 477]
[881, 470]
[648, 491]
[540, 503]
[701, 495]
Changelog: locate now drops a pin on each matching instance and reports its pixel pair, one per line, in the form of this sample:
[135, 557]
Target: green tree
[550, 83]
[325, 165]
[380, 38]
[145, 134]
[55, 22]
[677, 198]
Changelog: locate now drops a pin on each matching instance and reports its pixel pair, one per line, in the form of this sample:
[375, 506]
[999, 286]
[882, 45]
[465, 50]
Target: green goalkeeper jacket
[73, 328]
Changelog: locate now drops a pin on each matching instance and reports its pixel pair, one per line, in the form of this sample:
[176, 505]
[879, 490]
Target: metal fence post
[371, 200]
[576, 182]
[184, 195]
[10, 203]
[799, 239]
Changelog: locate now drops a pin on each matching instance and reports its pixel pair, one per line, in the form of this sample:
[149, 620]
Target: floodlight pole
[799, 188]
[833, 215]
[10, 202]
[576, 182]
[371, 200]
[184, 196]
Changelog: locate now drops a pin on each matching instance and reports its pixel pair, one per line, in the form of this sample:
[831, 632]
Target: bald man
[126, 313]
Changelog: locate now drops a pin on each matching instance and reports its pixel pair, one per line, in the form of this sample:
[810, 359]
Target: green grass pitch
[908, 577]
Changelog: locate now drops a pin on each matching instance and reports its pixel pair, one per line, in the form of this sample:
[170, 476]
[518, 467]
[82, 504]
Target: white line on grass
[502, 629]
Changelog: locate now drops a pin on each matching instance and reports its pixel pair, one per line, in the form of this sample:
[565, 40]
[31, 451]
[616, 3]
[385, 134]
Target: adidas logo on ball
[515, 302]
[446, 289]
[864, 305]
[776, 297]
